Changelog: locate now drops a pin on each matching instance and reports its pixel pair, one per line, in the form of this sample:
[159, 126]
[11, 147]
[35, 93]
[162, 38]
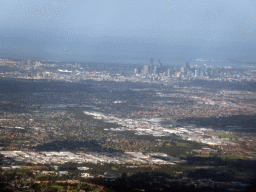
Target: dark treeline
[213, 84]
[243, 121]
[72, 145]
[16, 86]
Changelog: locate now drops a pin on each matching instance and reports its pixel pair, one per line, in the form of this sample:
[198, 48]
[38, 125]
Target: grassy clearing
[19, 142]
[202, 155]
[183, 144]
[46, 120]
[230, 157]
[227, 136]
[58, 187]
[24, 168]
[41, 114]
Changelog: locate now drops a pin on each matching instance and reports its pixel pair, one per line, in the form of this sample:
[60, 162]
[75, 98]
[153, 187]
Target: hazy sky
[131, 31]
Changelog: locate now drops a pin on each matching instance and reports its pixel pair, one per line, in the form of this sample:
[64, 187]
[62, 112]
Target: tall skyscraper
[187, 65]
[187, 69]
[151, 67]
[145, 70]
[151, 61]
[155, 68]
[135, 71]
[168, 72]
[196, 72]
[160, 64]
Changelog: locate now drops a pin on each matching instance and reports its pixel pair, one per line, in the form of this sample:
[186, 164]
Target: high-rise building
[187, 69]
[151, 67]
[212, 73]
[196, 72]
[135, 71]
[187, 65]
[160, 64]
[168, 72]
[155, 68]
[177, 74]
[201, 72]
[218, 70]
[145, 70]
[151, 61]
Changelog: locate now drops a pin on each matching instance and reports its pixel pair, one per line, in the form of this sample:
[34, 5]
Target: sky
[128, 31]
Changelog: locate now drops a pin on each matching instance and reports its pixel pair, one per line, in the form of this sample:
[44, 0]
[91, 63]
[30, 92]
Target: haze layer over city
[127, 95]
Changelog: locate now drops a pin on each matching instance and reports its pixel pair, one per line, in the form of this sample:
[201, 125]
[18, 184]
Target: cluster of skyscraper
[186, 71]
[151, 69]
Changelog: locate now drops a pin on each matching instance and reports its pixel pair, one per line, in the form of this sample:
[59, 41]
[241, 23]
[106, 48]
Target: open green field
[25, 168]
[230, 157]
[222, 156]
[58, 187]
[227, 136]
[183, 144]
[202, 155]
